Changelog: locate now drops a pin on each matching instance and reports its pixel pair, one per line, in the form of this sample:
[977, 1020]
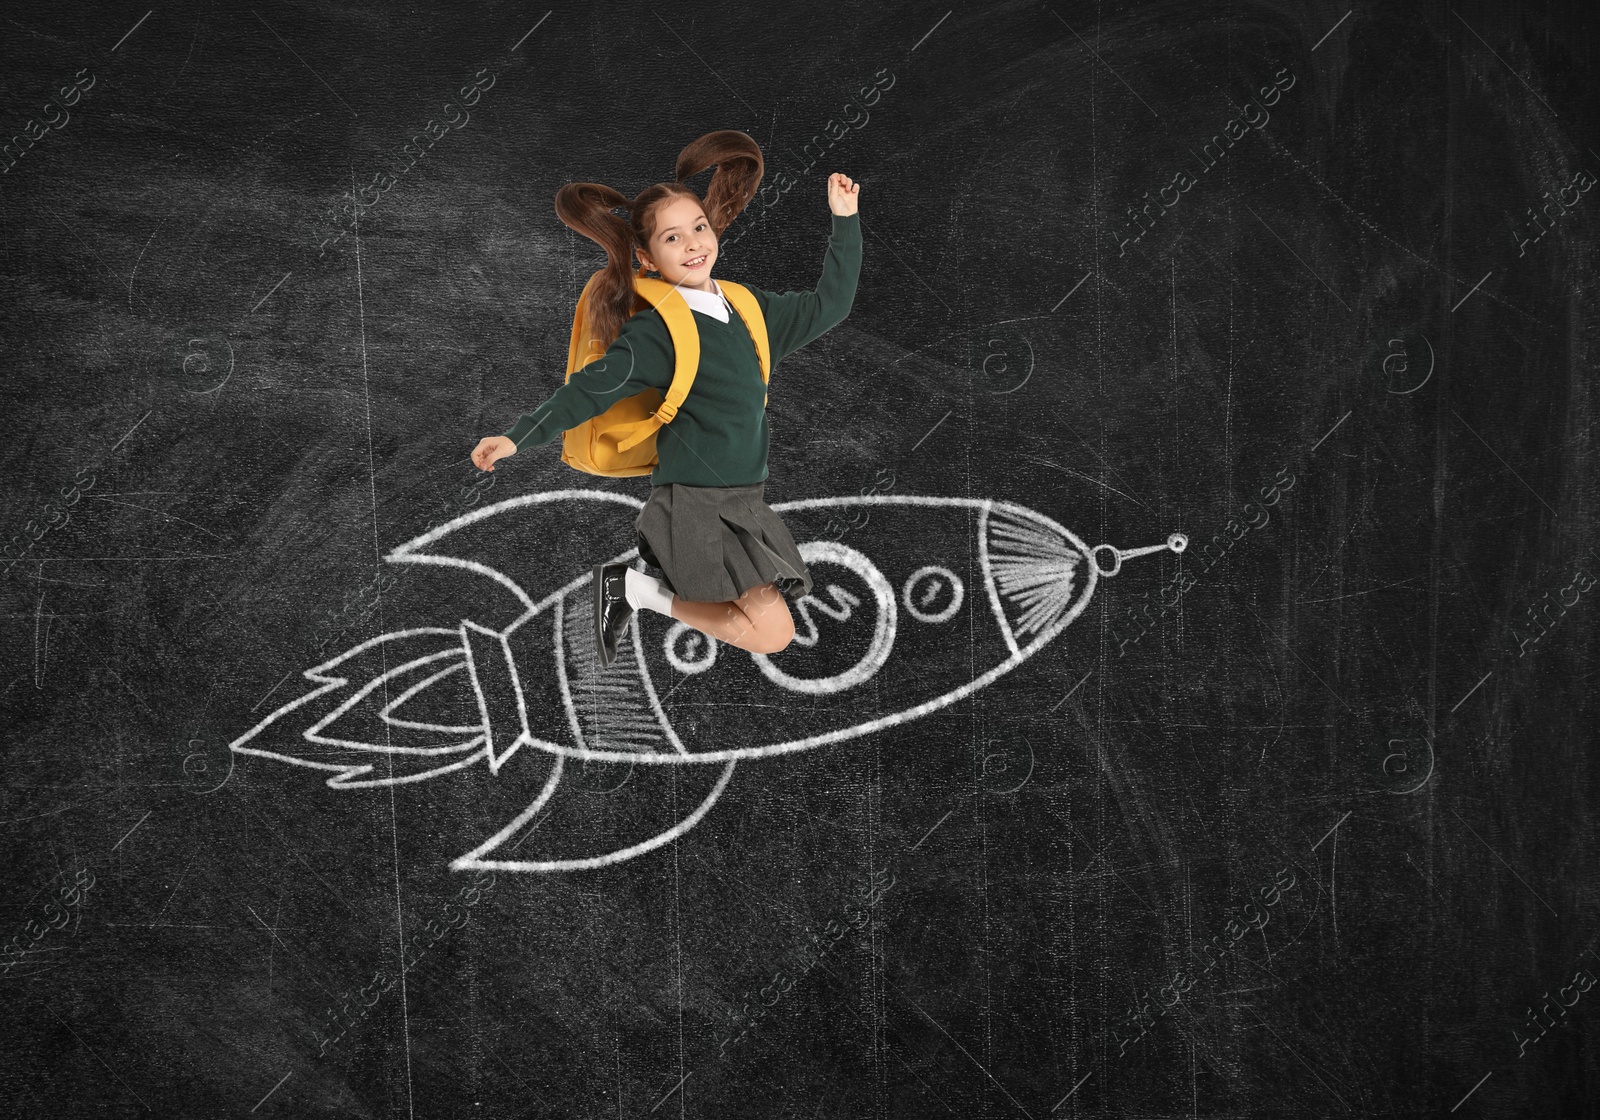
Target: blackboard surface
[1296, 822]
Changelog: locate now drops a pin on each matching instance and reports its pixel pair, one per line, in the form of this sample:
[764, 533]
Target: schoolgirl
[728, 564]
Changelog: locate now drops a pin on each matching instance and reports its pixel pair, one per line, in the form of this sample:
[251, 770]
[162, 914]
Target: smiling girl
[728, 563]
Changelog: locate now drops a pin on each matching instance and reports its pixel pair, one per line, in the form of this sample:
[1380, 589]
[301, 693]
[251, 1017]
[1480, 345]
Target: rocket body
[928, 601]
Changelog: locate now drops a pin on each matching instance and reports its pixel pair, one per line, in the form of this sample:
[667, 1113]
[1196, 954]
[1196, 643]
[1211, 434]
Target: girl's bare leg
[758, 620]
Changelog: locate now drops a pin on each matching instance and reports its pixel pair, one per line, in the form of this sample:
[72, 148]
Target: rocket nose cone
[1038, 572]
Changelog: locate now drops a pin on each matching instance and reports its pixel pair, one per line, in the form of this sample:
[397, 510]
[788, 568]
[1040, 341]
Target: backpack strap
[754, 322]
[674, 310]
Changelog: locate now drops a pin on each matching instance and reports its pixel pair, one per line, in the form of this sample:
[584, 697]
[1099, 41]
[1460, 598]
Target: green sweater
[719, 437]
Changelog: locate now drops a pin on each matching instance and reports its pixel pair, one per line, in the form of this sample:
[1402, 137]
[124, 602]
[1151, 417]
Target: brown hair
[588, 209]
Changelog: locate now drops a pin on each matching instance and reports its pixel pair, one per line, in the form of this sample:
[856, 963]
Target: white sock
[647, 592]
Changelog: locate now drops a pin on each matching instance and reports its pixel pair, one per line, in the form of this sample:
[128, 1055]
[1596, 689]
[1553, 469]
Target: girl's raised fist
[842, 193]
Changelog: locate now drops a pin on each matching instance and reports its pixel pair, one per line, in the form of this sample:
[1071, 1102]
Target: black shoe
[611, 609]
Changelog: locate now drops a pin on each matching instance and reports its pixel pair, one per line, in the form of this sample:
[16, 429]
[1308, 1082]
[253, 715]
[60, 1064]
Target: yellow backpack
[621, 441]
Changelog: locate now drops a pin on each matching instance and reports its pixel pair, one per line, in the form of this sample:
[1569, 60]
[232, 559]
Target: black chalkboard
[1189, 717]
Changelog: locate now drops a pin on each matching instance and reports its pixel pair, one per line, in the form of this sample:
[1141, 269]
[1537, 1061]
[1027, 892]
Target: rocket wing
[531, 545]
[590, 815]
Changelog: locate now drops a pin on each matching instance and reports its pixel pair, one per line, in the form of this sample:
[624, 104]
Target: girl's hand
[842, 193]
[491, 448]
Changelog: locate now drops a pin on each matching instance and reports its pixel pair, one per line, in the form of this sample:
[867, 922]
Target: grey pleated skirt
[714, 543]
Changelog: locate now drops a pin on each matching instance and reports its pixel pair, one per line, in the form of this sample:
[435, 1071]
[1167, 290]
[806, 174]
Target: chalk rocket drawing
[892, 631]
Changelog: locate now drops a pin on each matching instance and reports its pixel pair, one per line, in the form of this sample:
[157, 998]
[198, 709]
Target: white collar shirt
[707, 303]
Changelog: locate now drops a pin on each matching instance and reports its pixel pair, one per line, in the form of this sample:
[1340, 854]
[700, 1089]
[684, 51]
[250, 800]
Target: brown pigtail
[587, 208]
[737, 158]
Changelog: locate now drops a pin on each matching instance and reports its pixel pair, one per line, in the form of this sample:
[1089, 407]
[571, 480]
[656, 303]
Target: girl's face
[683, 248]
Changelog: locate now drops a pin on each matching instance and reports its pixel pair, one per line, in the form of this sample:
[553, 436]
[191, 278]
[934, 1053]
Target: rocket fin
[531, 545]
[573, 826]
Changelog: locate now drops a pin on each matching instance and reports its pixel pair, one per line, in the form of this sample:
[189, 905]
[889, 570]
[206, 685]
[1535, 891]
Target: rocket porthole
[926, 586]
[883, 622]
[701, 649]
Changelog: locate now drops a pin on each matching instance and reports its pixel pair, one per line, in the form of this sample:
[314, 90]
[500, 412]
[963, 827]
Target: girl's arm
[640, 358]
[796, 318]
